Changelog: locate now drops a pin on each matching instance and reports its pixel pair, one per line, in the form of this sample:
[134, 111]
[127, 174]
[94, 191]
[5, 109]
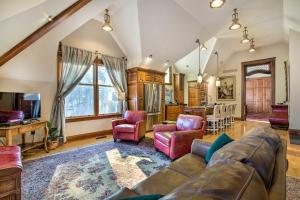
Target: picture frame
[227, 89]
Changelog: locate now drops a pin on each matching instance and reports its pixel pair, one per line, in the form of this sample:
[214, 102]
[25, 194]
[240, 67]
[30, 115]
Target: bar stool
[222, 116]
[228, 116]
[213, 120]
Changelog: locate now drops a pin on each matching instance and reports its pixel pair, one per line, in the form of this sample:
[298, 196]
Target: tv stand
[10, 131]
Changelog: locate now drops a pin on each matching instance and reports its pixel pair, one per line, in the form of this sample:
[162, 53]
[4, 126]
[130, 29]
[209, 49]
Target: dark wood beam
[42, 31]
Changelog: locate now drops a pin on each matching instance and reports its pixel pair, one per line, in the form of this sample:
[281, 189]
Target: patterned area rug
[94, 172]
[97, 171]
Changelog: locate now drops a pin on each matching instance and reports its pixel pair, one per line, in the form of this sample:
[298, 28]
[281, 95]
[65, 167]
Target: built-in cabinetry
[179, 88]
[197, 93]
[137, 77]
[172, 111]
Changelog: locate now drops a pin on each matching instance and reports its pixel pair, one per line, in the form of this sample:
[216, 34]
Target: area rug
[294, 138]
[94, 172]
[292, 188]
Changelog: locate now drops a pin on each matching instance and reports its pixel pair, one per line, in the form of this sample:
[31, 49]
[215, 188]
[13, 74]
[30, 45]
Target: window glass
[88, 77]
[108, 100]
[80, 102]
[103, 78]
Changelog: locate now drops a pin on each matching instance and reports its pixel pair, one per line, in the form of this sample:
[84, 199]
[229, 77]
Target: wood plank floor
[237, 131]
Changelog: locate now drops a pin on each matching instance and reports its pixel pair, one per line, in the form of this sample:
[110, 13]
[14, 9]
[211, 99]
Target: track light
[216, 3]
[252, 46]
[49, 18]
[106, 26]
[235, 21]
[245, 36]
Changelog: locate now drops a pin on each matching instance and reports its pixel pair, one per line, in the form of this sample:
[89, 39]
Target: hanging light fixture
[235, 21]
[201, 48]
[106, 26]
[218, 82]
[245, 36]
[216, 3]
[252, 46]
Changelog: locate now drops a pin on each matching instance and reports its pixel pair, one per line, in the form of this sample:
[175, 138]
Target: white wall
[279, 50]
[294, 58]
[91, 37]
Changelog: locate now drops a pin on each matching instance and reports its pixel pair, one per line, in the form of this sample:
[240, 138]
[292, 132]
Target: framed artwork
[227, 89]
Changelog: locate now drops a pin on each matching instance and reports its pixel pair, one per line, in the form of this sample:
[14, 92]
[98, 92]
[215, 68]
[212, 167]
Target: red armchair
[175, 140]
[131, 127]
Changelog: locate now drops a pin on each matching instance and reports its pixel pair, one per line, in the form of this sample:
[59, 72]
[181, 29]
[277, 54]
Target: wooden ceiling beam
[42, 31]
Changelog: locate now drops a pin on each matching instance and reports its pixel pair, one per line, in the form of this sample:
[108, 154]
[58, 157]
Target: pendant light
[235, 21]
[201, 48]
[252, 46]
[216, 3]
[245, 36]
[106, 26]
[218, 82]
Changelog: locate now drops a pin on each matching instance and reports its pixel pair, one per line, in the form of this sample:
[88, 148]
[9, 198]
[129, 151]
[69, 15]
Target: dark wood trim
[135, 69]
[59, 62]
[244, 65]
[42, 31]
[89, 135]
[92, 117]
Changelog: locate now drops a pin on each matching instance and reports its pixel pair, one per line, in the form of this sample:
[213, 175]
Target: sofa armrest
[164, 128]
[117, 122]
[141, 128]
[200, 147]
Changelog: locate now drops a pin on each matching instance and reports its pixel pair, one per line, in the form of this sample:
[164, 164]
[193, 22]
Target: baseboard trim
[294, 131]
[89, 135]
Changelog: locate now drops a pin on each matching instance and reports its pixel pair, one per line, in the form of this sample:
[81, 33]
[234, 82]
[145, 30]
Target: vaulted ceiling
[167, 29]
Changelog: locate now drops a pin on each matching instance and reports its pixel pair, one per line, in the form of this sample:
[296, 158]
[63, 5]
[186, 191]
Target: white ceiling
[166, 29]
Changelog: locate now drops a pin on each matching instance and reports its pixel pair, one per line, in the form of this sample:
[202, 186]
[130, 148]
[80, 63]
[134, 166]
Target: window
[94, 96]
[168, 76]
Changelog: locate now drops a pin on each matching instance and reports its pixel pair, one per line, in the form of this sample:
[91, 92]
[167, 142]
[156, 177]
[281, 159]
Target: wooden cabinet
[179, 88]
[197, 93]
[172, 112]
[136, 79]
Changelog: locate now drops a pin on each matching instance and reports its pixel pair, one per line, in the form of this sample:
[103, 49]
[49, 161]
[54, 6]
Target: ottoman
[10, 172]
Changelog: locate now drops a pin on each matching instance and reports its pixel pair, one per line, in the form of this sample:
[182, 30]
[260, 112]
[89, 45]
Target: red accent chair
[175, 140]
[279, 117]
[131, 127]
[10, 172]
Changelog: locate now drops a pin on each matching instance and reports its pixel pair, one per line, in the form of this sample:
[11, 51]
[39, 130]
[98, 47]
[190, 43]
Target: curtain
[116, 68]
[75, 64]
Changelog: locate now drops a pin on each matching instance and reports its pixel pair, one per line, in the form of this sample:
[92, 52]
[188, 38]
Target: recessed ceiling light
[235, 21]
[245, 36]
[216, 3]
[106, 26]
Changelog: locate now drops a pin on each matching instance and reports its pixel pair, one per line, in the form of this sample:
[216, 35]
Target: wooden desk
[10, 131]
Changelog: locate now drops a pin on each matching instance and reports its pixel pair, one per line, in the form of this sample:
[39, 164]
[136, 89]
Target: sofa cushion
[125, 128]
[255, 150]
[162, 182]
[223, 181]
[190, 165]
[164, 137]
[221, 141]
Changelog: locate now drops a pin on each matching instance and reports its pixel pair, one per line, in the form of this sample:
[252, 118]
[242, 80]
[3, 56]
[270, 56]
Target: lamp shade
[216, 3]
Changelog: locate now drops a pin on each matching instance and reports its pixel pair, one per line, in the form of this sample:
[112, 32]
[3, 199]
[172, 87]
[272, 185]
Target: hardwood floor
[239, 129]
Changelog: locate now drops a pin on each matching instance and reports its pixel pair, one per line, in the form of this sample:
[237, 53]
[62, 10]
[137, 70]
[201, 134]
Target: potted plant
[54, 140]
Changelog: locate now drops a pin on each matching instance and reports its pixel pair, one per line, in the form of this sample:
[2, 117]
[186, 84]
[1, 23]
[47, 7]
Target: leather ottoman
[10, 172]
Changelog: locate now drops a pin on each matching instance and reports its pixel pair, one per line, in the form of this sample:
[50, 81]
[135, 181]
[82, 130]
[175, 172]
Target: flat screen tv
[16, 107]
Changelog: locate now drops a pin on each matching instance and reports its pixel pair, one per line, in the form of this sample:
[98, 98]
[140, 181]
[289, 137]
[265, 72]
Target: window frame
[96, 86]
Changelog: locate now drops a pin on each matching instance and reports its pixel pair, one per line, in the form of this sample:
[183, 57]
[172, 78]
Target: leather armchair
[175, 140]
[131, 127]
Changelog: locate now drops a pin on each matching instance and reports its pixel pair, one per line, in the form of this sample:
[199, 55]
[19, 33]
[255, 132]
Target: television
[16, 107]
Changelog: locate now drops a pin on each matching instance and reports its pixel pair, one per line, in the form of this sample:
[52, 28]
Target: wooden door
[259, 95]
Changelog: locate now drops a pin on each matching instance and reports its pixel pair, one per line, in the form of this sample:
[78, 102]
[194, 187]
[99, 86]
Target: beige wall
[294, 58]
[34, 77]
[279, 50]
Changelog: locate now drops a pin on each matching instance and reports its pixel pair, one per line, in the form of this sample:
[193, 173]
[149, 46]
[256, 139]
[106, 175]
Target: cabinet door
[148, 77]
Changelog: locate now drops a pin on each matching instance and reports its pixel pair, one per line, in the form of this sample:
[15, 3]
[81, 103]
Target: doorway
[258, 89]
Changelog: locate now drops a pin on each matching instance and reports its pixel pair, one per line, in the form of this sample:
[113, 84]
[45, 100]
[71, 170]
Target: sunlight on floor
[124, 167]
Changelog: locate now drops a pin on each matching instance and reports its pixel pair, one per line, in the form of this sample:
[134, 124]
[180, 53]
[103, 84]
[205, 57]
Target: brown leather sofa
[253, 167]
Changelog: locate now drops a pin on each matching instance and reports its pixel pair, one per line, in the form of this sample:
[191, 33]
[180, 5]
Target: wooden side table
[10, 131]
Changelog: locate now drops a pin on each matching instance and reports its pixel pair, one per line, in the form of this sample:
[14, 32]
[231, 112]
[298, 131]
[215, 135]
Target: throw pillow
[145, 197]
[221, 141]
